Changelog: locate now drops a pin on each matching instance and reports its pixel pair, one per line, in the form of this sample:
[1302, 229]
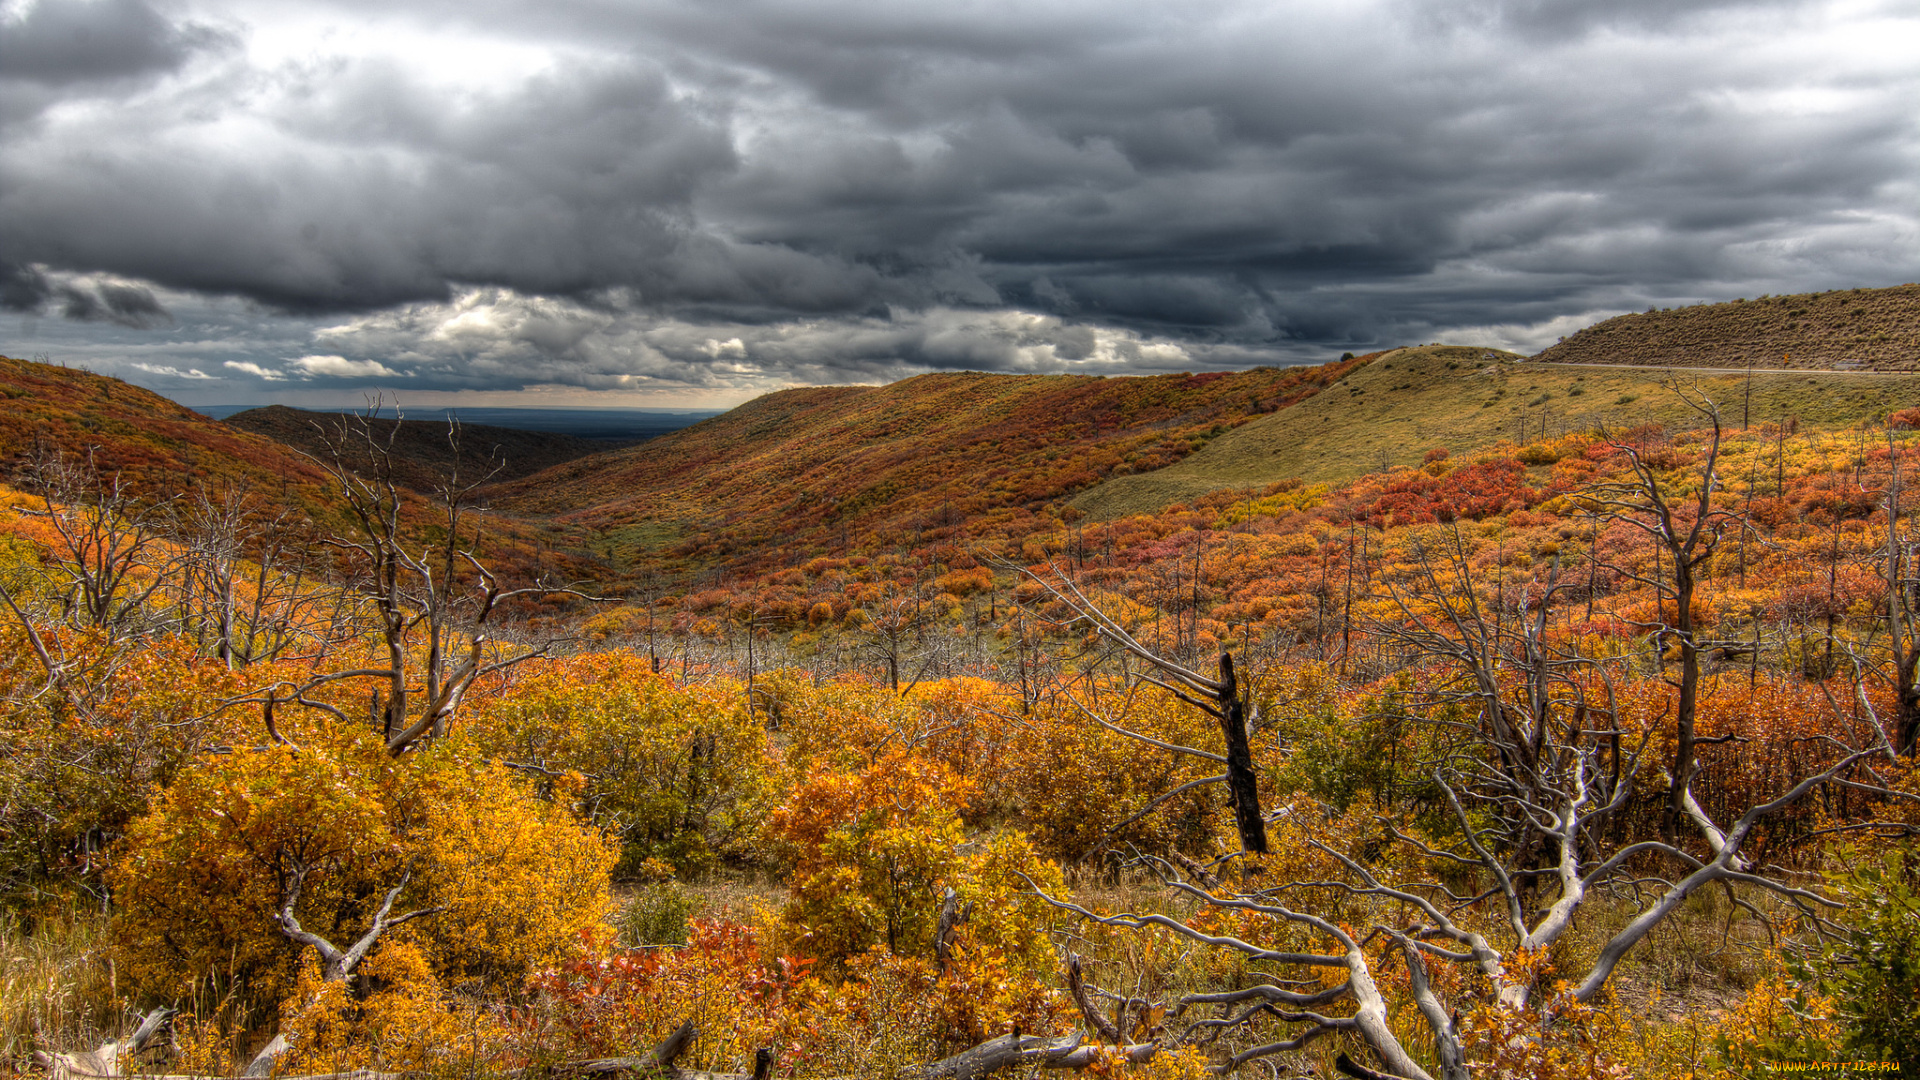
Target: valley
[1433, 712]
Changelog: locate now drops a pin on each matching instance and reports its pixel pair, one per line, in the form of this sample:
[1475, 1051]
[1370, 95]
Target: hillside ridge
[1839, 330]
[936, 456]
[423, 452]
[1402, 404]
[150, 442]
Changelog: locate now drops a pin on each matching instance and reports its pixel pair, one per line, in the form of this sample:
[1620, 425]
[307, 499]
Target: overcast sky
[689, 202]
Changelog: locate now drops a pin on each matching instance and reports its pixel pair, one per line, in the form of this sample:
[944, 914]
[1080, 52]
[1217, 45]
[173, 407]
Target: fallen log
[1088, 1056]
[998, 1053]
[106, 1059]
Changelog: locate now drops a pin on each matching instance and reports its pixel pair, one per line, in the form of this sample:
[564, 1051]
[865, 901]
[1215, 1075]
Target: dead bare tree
[1903, 604]
[1686, 529]
[894, 634]
[433, 598]
[243, 586]
[109, 559]
[1528, 785]
[1222, 699]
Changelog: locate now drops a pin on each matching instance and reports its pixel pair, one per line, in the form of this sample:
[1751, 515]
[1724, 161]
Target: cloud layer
[684, 196]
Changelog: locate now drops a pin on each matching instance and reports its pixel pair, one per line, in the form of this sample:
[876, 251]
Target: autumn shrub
[1781, 1019]
[1078, 787]
[874, 1015]
[873, 853]
[335, 823]
[869, 849]
[676, 773]
[840, 725]
[1374, 746]
[79, 757]
[610, 1000]
[399, 1016]
[1586, 1043]
[880, 1014]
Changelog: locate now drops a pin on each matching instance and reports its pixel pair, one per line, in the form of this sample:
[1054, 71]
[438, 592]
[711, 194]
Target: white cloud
[492, 339]
[250, 368]
[340, 367]
[172, 372]
[1528, 339]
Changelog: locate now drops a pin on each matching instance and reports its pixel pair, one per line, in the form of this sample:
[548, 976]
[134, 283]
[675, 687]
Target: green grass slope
[1405, 402]
[1861, 329]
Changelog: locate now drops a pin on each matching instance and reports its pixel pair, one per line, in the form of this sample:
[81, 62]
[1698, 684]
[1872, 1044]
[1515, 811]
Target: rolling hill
[1846, 329]
[159, 450]
[154, 445]
[1405, 402]
[878, 468]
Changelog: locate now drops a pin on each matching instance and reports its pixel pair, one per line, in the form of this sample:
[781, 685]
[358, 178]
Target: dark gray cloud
[590, 192]
[123, 305]
[23, 289]
[26, 290]
[60, 42]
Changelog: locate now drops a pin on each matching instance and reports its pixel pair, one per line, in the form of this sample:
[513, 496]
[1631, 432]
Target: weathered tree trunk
[1243, 791]
[996, 1054]
[946, 929]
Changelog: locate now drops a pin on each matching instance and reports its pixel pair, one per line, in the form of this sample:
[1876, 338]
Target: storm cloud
[723, 198]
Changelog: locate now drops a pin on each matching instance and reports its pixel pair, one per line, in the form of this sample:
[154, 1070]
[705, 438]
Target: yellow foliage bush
[678, 773]
[871, 850]
[405, 1020]
[77, 766]
[199, 880]
[874, 852]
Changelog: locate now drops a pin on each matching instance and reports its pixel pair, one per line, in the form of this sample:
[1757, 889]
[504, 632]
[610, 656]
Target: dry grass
[56, 987]
[1704, 957]
[1873, 329]
[734, 898]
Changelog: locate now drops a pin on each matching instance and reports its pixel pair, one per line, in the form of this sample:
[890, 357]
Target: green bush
[656, 915]
[1873, 972]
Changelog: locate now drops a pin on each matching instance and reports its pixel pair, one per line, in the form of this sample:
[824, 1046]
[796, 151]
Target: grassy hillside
[155, 445]
[1863, 329]
[873, 468]
[1405, 402]
[423, 454]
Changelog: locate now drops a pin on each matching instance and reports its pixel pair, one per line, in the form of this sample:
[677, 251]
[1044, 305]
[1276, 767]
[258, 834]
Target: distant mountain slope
[155, 445]
[422, 453]
[1864, 329]
[873, 468]
[158, 449]
[1408, 401]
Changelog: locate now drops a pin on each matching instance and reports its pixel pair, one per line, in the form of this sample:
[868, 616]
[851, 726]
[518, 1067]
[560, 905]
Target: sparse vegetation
[1859, 329]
